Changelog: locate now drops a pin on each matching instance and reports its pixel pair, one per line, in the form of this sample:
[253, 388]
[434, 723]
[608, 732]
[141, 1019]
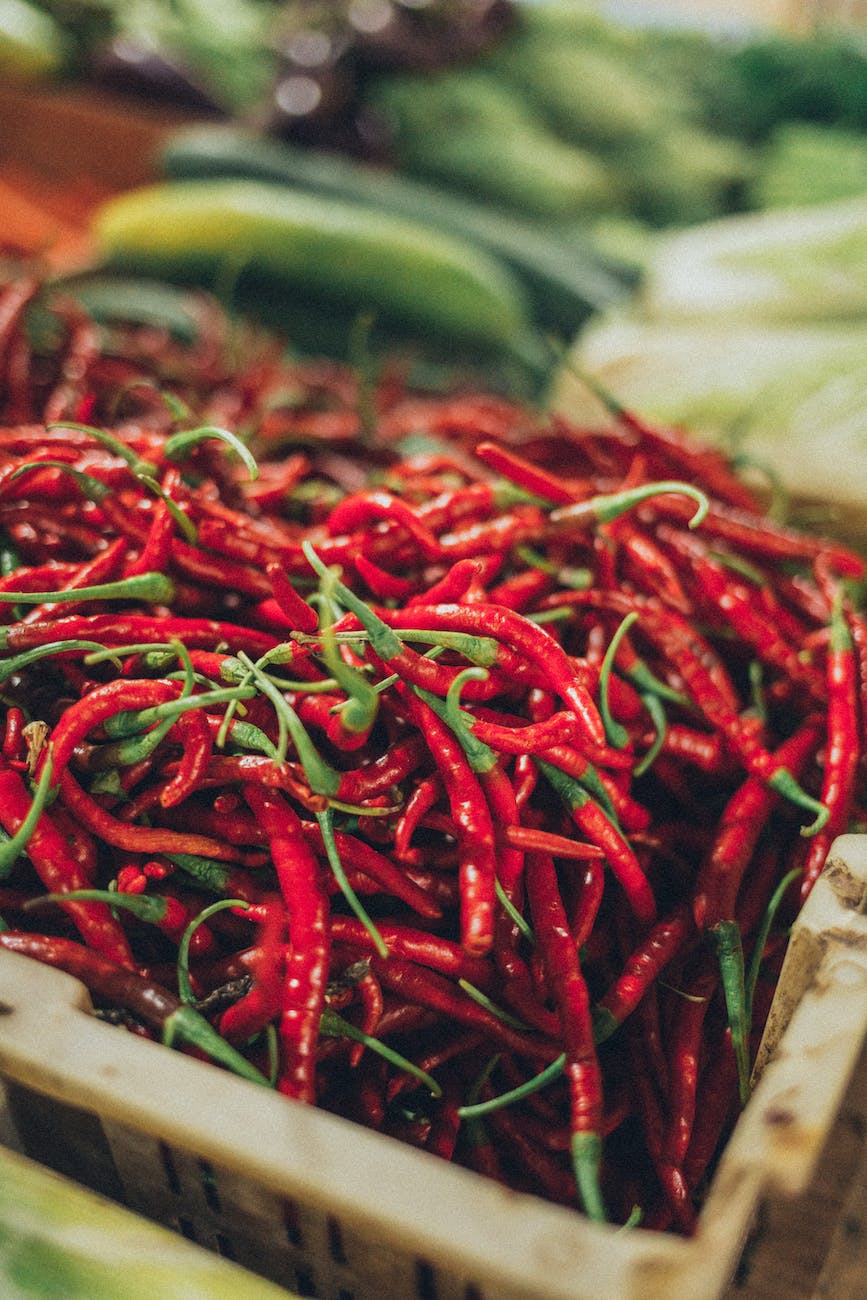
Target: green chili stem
[326, 824]
[185, 990]
[156, 588]
[179, 444]
[608, 506]
[129, 722]
[150, 908]
[785, 784]
[514, 915]
[586, 1162]
[8, 667]
[483, 1000]
[321, 776]
[362, 704]
[617, 735]
[761, 938]
[551, 1072]
[334, 1026]
[206, 872]
[726, 937]
[659, 718]
[114, 445]
[187, 1027]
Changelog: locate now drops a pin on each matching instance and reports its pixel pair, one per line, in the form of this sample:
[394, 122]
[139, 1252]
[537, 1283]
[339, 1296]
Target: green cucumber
[325, 250]
[566, 281]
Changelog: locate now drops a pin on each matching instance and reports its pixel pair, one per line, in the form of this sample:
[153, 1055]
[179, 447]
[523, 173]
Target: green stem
[186, 1027]
[334, 1026]
[180, 444]
[326, 825]
[586, 1163]
[482, 1000]
[17, 663]
[477, 1110]
[726, 937]
[185, 990]
[608, 506]
[617, 735]
[785, 784]
[761, 938]
[321, 776]
[156, 588]
[150, 908]
[659, 718]
[129, 722]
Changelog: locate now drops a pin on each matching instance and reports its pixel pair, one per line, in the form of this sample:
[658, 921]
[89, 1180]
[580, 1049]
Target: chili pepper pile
[423, 757]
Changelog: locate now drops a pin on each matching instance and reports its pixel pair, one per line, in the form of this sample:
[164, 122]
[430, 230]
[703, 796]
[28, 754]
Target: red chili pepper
[843, 744]
[429, 989]
[127, 629]
[302, 886]
[525, 475]
[670, 937]
[569, 991]
[473, 824]
[454, 584]
[356, 511]
[592, 822]
[722, 871]
[519, 635]
[264, 1001]
[417, 946]
[59, 871]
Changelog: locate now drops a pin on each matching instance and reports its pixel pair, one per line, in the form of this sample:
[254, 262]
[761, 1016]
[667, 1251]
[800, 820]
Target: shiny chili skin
[670, 937]
[572, 999]
[478, 857]
[843, 746]
[520, 635]
[60, 871]
[720, 875]
[302, 885]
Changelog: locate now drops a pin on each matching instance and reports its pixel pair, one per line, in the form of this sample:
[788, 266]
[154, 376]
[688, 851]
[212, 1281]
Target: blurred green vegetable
[468, 130]
[243, 238]
[805, 164]
[59, 1239]
[565, 279]
[32, 44]
[797, 264]
[791, 397]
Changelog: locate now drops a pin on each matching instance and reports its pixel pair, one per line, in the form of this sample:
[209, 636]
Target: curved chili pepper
[518, 634]
[126, 629]
[592, 822]
[843, 745]
[569, 990]
[263, 1002]
[59, 871]
[474, 826]
[668, 938]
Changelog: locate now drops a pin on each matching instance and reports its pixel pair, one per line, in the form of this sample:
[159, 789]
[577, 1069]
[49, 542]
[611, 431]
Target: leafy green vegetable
[805, 163]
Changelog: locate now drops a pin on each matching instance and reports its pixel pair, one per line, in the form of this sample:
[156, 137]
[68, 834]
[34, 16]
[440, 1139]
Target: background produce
[751, 331]
[552, 146]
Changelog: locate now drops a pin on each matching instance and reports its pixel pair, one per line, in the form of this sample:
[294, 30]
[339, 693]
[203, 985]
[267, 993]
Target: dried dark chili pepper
[177, 1023]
